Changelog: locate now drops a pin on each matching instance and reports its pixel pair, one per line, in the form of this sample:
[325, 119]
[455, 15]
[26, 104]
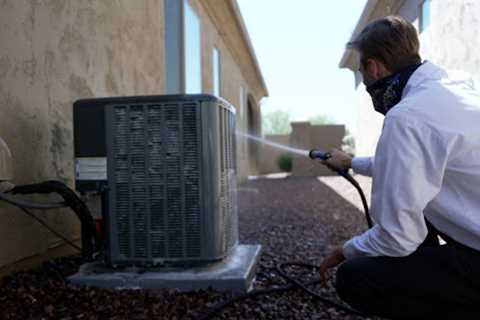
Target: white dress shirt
[427, 164]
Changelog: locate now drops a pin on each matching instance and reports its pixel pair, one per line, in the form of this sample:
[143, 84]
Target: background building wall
[453, 38]
[306, 136]
[270, 155]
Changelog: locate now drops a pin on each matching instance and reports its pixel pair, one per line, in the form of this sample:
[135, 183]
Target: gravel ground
[293, 218]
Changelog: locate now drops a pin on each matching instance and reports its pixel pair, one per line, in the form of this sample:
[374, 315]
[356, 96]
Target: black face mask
[387, 92]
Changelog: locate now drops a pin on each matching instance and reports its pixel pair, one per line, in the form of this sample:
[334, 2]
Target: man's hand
[339, 160]
[331, 261]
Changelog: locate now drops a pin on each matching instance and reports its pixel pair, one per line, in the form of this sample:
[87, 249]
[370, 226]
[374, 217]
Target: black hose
[355, 183]
[293, 282]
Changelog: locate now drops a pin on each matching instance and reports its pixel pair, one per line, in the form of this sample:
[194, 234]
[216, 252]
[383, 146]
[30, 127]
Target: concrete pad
[234, 273]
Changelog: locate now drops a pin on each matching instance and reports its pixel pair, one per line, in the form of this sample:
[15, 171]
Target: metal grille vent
[155, 153]
[228, 182]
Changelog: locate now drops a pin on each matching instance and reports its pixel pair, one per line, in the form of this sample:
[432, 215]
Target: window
[216, 72]
[424, 15]
[183, 59]
[192, 50]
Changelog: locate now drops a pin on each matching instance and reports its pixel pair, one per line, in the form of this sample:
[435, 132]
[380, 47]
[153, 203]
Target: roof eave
[393, 8]
[238, 16]
[362, 21]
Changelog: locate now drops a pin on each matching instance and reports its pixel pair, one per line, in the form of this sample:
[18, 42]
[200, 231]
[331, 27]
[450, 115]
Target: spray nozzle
[317, 154]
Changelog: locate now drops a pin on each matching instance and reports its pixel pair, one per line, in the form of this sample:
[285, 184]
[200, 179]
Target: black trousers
[436, 281]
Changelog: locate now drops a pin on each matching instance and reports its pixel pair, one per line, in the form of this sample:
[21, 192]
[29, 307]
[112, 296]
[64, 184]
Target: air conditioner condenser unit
[166, 167]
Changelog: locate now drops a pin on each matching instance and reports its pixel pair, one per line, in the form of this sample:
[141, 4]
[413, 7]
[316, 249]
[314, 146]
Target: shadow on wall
[303, 136]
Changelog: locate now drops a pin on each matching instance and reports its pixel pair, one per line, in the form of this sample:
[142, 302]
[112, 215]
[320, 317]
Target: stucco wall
[451, 41]
[52, 53]
[453, 38]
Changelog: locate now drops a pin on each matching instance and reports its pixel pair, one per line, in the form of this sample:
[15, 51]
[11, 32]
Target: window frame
[175, 46]
[424, 17]
[216, 72]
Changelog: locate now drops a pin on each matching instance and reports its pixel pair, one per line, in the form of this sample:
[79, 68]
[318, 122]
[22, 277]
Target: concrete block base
[235, 273]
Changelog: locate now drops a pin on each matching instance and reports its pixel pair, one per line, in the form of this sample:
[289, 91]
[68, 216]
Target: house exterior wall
[233, 75]
[450, 41]
[55, 52]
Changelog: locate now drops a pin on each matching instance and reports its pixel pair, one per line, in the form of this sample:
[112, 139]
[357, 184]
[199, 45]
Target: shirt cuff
[362, 165]
[349, 249]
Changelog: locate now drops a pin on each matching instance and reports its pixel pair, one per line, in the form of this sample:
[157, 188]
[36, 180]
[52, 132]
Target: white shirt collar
[427, 71]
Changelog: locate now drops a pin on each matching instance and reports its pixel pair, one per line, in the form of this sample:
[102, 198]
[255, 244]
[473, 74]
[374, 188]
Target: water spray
[280, 146]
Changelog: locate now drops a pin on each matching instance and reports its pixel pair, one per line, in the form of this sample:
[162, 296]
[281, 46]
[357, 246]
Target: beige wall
[52, 53]
[55, 52]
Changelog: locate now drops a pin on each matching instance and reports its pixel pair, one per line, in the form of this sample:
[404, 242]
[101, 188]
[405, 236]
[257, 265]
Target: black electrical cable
[293, 282]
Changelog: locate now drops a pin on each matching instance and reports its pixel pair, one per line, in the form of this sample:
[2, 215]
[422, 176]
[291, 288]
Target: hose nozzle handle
[317, 154]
